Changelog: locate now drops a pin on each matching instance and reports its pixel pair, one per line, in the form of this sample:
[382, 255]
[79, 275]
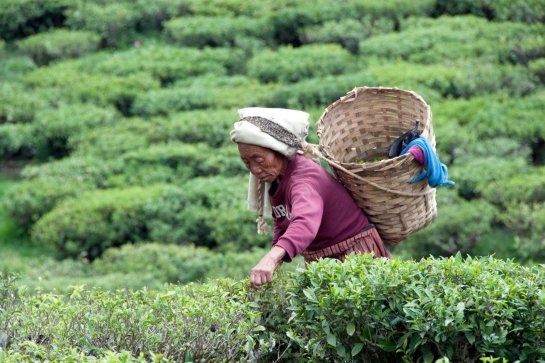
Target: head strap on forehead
[275, 130]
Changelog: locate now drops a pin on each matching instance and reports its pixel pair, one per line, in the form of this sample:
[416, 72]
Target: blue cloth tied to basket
[436, 172]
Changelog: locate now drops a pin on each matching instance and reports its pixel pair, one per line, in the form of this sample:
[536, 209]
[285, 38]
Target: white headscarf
[278, 129]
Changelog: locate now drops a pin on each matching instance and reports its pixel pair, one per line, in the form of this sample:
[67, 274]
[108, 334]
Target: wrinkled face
[266, 164]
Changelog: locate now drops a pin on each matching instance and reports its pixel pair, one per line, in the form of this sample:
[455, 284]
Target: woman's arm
[262, 272]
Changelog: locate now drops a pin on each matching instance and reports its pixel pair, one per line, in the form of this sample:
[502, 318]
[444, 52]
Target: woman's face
[266, 164]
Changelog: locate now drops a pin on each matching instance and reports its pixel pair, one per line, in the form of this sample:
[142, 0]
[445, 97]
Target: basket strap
[314, 150]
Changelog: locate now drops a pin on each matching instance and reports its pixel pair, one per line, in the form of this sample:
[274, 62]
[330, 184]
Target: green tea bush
[459, 226]
[346, 32]
[500, 116]
[103, 90]
[114, 22]
[85, 226]
[167, 263]
[216, 31]
[175, 163]
[2, 46]
[287, 64]
[169, 322]
[13, 66]
[380, 310]
[537, 67]
[58, 44]
[528, 223]
[194, 212]
[29, 200]
[53, 127]
[524, 11]
[19, 18]
[15, 141]
[289, 22]
[322, 91]
[87, 170]
[202, 93]
[525, 188]
[473, 177]
[18, 104]
[442, 40]
[154, 14]
[166, 63]
[457, 81]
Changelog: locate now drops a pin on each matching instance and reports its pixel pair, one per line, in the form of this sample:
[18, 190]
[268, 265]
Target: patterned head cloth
[278, 129]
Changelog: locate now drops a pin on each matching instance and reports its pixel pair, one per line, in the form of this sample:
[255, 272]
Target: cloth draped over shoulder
[436, 172]
[279, 129]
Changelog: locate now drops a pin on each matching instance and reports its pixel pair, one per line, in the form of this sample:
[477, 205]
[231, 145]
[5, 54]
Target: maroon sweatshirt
[311, 209]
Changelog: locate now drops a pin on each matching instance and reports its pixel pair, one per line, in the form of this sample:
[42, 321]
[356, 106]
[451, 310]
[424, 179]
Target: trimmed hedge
[17, 104]
[19, 18]
[51, 128]
[29, 200]
[114, 21]
[346, 32]
[13, 66]
[362, 310]
[460, 225]
[15, 140]
[532, 11]
[379, 310]
[166, 63]
[74, 85]
[200, 212]
[442, 40]
[59, 44]
[217, 31]
[206, 92]
[288, 64]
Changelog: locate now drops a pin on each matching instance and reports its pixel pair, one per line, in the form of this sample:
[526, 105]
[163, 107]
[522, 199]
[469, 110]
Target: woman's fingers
[260, 277]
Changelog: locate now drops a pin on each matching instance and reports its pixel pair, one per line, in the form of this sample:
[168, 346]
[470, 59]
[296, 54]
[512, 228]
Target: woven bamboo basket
[354, 132]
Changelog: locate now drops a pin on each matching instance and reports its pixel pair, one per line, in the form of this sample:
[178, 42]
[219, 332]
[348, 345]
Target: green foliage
[526, 188]
[19, 18]
[58, 44]
[113, 21]
[15, 140]
[459, 226]
[13, 66]
[532, 11]
[528, 223]
[18, 104]
[196, 212]
[472, 178]
[288, 64]
[85, 226]
[537, 67]
[346, 32]
[442, 40]
[216, 31]
[205, 92]
[379, 310]
[104, 90]
[169, 323]
[53, 127]
[166, 63]
[29, 200]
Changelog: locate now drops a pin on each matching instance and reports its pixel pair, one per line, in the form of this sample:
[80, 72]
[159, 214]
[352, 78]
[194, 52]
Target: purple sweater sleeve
[306, 215]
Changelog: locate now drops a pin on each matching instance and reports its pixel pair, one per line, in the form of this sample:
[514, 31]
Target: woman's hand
[262, 273]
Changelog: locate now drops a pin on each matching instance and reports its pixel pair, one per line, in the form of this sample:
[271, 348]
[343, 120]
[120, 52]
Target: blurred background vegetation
[116, 166]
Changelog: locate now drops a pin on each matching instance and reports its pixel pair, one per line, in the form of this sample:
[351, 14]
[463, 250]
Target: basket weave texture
[354, 132]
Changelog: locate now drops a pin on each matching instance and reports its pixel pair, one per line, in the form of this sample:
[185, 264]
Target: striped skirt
[368, 241]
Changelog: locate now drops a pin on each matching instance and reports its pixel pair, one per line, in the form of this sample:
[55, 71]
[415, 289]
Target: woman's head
[278, 129]
[265, 164]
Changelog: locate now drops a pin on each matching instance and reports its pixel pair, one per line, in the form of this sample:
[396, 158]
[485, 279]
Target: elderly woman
[313, 214]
